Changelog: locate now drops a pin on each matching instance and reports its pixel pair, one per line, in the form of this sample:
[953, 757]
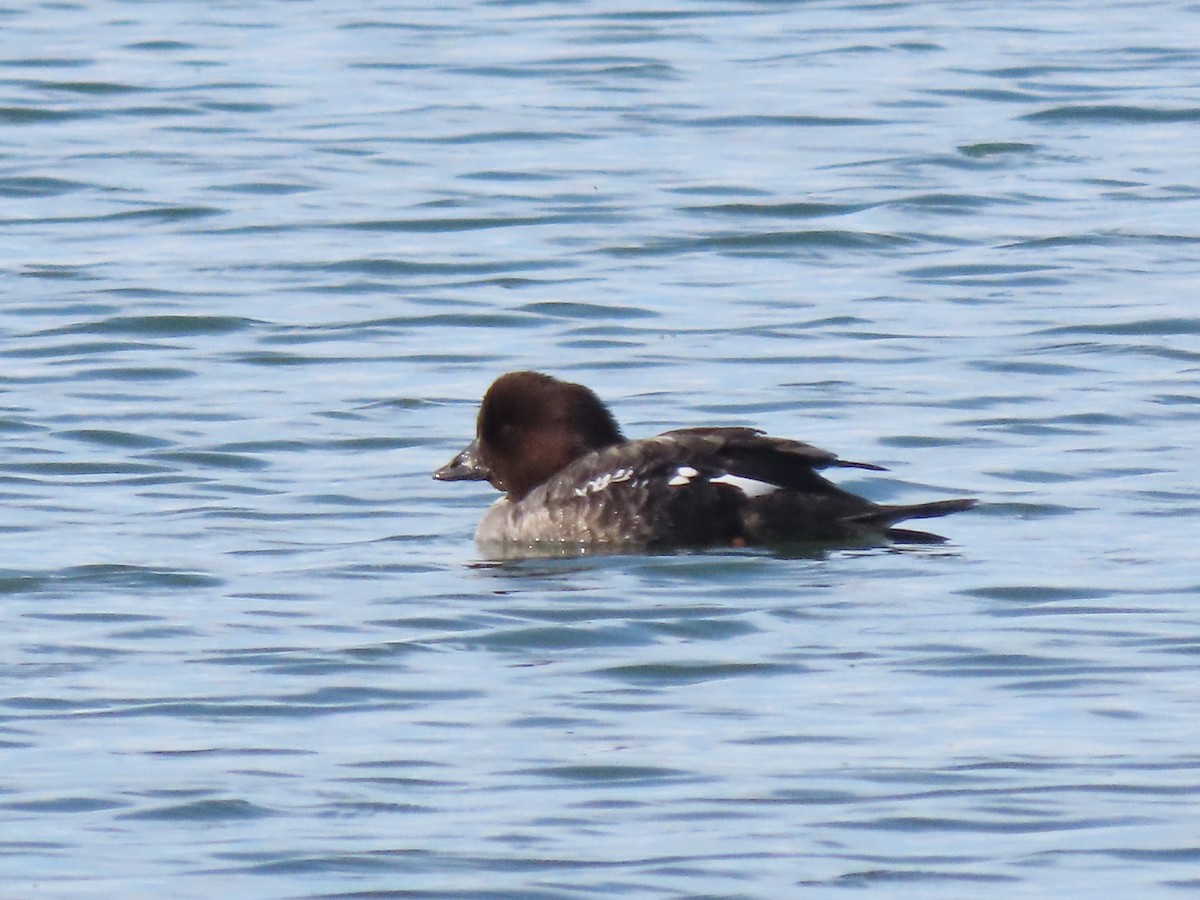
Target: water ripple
[1115, 115]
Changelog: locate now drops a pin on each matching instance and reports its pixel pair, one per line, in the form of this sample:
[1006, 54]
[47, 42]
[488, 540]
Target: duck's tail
[883, 517]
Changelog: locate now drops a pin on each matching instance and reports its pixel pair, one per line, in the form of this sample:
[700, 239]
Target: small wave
[1113, 114]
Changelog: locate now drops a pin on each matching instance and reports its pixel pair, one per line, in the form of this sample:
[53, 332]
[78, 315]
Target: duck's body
[573, 481]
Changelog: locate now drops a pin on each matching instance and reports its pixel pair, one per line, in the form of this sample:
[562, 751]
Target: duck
[571, 482]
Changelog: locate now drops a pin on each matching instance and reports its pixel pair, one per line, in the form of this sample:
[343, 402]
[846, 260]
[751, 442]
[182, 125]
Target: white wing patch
[601, 482]
[748, 486]
[683, 475]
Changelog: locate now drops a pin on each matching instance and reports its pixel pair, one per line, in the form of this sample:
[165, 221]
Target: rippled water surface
[260, 260]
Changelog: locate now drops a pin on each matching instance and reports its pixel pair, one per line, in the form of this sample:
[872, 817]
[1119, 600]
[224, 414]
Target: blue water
[258, 262]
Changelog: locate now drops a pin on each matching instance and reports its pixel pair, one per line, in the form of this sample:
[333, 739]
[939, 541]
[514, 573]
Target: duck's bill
[464, 467]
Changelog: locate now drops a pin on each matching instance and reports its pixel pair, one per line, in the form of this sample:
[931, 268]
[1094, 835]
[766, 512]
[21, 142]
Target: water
[260, 261]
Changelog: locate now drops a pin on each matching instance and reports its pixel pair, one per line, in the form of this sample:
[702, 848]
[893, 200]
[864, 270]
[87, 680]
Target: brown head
[530, 427]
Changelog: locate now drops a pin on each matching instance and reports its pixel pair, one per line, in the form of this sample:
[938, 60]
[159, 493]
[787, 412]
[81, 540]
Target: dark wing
[749, 453]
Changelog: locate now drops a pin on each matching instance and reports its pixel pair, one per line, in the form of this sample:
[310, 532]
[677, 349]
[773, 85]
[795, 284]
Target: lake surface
[258, 262]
